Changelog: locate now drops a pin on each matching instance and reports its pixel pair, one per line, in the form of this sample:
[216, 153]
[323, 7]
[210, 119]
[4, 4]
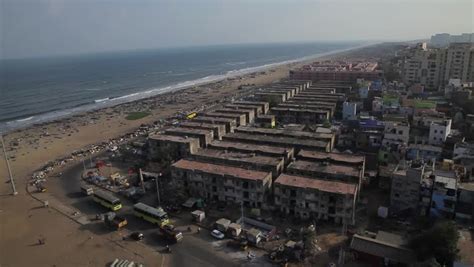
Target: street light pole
[158, 190]
[242, 211]
[8, 166]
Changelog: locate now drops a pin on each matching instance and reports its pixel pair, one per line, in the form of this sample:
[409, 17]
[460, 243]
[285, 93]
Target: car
[137, 236]
[217, 234]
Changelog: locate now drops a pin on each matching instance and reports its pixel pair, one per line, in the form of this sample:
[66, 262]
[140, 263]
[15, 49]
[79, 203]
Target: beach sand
[22, 218]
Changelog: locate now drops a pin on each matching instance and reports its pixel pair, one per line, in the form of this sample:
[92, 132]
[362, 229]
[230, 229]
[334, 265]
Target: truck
[114, 221]
[170, 233]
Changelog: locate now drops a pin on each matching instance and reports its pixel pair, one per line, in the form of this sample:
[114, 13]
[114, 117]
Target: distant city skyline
[57, 27]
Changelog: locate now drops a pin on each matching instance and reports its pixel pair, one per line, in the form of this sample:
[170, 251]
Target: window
[435, 131]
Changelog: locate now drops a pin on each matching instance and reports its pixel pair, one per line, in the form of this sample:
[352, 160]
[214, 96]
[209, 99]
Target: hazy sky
[45, 27]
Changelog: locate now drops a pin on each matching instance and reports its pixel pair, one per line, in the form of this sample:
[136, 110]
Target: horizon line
[73, 54]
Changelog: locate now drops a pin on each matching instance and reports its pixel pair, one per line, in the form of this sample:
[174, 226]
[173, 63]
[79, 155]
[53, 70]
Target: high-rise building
[445, 39]
[459, 62]
[434, 67]
[423, 66]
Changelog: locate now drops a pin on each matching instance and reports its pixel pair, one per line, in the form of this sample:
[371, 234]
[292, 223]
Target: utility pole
[242, 211]
[158, 190]
[8, 166]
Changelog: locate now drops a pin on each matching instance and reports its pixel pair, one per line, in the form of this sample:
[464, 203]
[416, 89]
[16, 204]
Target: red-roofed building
[222, 183]
[337, 71]
[314, 198]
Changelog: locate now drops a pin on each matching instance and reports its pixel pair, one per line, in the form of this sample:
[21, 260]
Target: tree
[439, 242]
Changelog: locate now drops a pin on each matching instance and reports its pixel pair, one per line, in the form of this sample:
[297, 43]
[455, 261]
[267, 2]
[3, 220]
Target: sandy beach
[23, 218]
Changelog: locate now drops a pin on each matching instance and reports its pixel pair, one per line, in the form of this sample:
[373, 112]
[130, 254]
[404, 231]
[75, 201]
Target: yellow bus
[150, 214]
[191, 115]
[107, 200]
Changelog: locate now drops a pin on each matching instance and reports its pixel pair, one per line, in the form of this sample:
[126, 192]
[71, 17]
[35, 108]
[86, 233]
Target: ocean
[41, 89]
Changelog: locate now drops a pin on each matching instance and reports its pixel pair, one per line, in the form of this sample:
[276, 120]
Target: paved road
[195, 249]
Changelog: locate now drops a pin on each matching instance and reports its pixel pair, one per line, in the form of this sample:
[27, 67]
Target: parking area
[196, 248]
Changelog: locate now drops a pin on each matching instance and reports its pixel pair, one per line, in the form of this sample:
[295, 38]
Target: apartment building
[439, 131]
[222, 183]
[443, 199]
[337, 71]
[313, 198]
[459, 62]
[424, 66]
[175, 147]
[445, 39]
[406, 186]
[434, 67]
[396, 133]
[204, 136]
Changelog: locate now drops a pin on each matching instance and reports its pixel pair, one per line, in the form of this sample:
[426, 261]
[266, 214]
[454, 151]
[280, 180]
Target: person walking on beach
[41, 241]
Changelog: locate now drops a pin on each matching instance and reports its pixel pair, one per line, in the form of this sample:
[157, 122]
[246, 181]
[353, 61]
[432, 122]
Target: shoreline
[100, 104]
[34, 147]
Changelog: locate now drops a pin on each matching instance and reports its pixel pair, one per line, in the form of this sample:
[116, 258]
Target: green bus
[150, 214]
[107, 200]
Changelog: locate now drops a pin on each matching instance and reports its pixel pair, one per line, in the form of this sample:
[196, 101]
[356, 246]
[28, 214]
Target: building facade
[434, 67]
[312, 198]
[349, 111]
[439, 131]
[406, 185]
[459, 62]
[222, 183]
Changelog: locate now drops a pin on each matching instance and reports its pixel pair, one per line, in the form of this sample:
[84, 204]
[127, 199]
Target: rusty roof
[213, 119]
[322, 185]
[284, 132]
[200, 124]
[251, 103]
[314, 98]
[310, 110]
[283, 141]
[224, 115]
[251, 147]
[321, 167]
[309, 102]
[236, 156]
[221, 170]
[339, 157]
[187, 131]
[172, 138]
[304, 105]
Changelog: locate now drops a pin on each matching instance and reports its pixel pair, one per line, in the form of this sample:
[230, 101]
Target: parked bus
[107, 200]
[191, 115]
[153, 215]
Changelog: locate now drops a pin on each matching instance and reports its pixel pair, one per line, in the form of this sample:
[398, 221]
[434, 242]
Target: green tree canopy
[439, 242]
